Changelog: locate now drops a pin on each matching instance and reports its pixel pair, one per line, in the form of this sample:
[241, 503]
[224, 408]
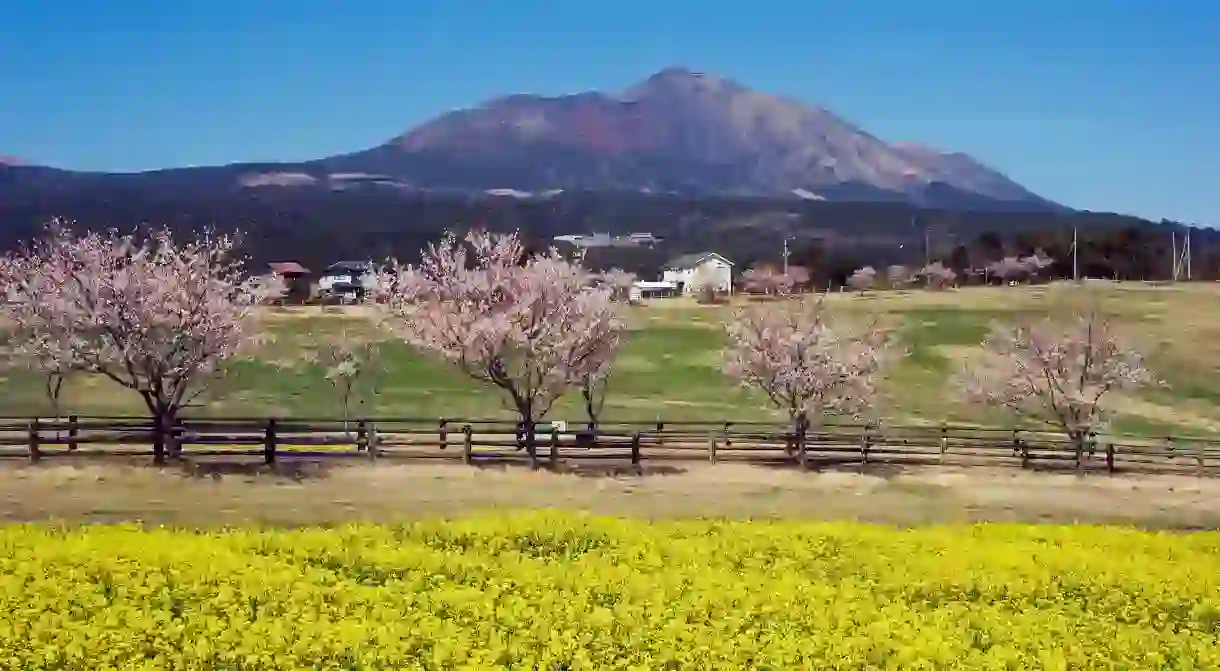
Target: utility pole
[1181, 256]
[1075, 259]
[1186, 255]
[786, 239]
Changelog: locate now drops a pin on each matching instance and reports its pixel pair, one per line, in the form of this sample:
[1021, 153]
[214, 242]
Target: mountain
[677, 132]
[681, 132]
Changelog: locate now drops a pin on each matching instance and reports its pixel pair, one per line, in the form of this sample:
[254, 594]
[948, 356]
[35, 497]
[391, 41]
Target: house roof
[691, 260]
[288, 268]
[350, 266]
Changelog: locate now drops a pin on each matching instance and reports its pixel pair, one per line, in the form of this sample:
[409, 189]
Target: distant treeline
[832, 239]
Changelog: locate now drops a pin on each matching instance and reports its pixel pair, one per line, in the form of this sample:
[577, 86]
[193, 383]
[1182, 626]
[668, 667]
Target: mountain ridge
[678, 131]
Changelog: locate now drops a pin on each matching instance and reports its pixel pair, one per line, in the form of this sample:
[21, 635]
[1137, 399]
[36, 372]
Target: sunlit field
[670, 366]
[562, 591]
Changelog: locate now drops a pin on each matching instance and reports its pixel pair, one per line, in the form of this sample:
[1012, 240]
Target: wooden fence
[626, 444]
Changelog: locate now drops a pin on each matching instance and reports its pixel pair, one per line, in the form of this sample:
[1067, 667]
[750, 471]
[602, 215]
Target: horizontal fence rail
[626, 444]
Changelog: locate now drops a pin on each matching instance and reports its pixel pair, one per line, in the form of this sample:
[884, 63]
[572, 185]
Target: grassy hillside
[670, 365]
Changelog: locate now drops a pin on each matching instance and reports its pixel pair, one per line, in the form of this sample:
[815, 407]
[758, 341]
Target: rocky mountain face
[677, 132]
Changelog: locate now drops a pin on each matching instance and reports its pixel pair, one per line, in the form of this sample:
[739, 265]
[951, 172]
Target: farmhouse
[349, 280]
[691, 271]
[296, 280]
[644, 289]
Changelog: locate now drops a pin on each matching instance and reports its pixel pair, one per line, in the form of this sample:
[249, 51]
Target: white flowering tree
[153, 315]
[348, 362]
[1008, 269]
[863, 279]
[620, 283]
[765, 281]
[805, 363]
[1035, 264]
[898, 275]
[535, 328]
[1055, 372]
[937, 276]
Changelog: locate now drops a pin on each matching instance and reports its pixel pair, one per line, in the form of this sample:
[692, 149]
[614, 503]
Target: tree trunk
[165, 440]
[528, 429]
[801, 438]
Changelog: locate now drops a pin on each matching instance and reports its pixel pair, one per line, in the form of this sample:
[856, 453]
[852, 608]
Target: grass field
[418, 566]
[670, 365]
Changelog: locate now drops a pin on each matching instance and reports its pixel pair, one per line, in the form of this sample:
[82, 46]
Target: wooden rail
[483, 441]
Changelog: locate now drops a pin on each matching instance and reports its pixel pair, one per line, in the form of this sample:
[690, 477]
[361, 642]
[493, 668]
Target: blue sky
[1101, 105]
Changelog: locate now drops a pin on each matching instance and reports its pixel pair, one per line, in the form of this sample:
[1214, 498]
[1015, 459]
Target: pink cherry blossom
[1055, 372]
[806, 364]
[535, 329]
[937, 276]
[152, 315]
[863, 279]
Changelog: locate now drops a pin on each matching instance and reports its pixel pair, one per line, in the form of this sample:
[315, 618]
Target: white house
[351, 280]
[692, 271]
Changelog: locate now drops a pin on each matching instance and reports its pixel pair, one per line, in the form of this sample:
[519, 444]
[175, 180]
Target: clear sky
[1108, 105]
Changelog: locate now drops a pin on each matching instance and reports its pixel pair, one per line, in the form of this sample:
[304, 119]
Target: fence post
[35, 442]
[1109, 456]
[467, 445]
[269, 442]
[362, 436]
[73, 432]
[554, 456]
[1200, 450]
[865, 443]
[944, 441]
[372, 441]
[711, 447]
[635, 450]
[443, 431]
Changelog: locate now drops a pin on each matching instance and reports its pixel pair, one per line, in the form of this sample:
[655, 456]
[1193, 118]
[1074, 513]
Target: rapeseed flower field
[571, 591]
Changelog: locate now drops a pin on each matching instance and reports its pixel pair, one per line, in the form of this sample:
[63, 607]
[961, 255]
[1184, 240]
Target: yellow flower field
[567, 591]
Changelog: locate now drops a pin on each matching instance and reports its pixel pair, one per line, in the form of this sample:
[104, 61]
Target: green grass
[671, 364]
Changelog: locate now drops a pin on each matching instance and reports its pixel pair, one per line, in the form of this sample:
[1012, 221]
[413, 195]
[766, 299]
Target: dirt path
[114, 493]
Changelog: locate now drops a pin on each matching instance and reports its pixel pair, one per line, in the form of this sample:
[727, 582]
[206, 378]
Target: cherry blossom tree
[1055, 372]
[804, 362]
[348, 361]
[1035, 263]
[937, 276]
[1008, 269]
[593, 387]
[798, 279]
[768, 281]
[863, 279]
[535, 329]
[620, 282]
[36, 349]
[898, 275]
[153, 315]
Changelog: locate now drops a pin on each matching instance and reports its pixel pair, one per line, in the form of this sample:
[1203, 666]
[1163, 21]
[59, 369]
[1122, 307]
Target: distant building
[692, 271]
[644, 289]
[349, 280]
[296, 280]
